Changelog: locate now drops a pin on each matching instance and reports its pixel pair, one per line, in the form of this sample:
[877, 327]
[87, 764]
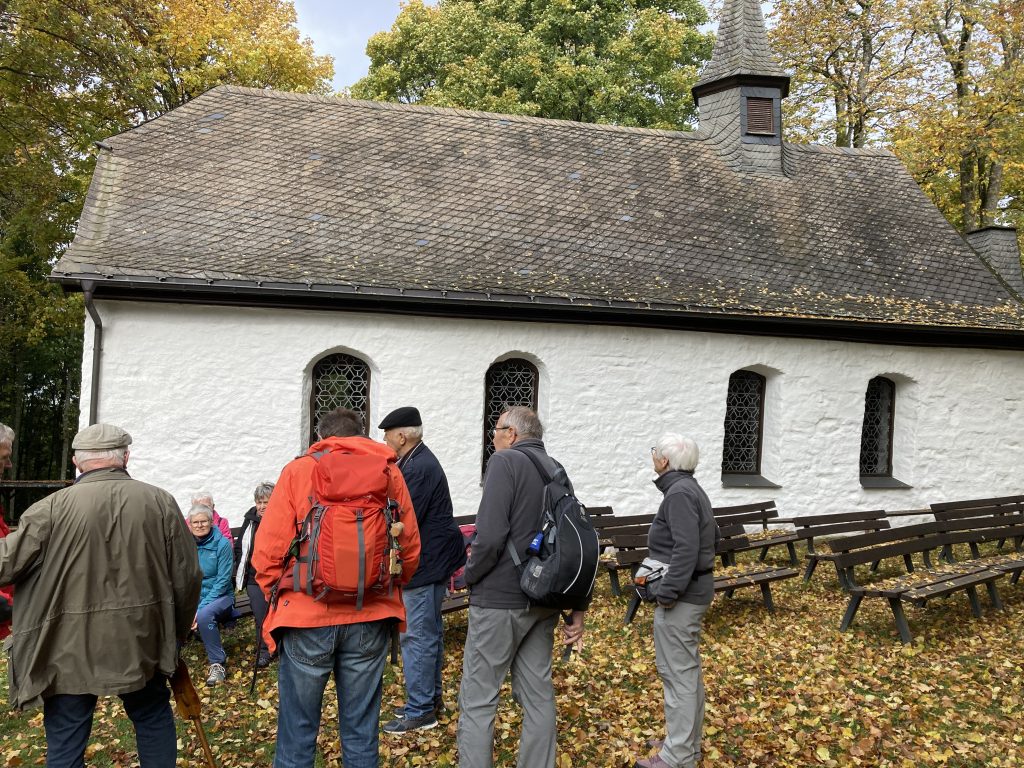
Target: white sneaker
[216, 674]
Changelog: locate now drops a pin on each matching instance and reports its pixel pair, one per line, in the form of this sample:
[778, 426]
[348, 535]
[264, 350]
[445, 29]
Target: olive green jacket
[107, 580]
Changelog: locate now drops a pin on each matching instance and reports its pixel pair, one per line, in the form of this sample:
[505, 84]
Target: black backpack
[562, 567]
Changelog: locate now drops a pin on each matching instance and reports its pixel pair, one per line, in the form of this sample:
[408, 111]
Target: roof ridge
[451, 111]
[829, 149]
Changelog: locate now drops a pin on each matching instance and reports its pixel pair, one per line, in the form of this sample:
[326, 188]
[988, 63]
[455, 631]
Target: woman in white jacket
[245, 574]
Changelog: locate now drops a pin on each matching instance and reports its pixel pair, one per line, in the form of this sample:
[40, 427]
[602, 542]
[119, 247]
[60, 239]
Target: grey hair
[263, 491]
[682, 452]
[525, 421]
[200, 509]
[199, 496]
[6, 435]
[116, 456]
[412, 433]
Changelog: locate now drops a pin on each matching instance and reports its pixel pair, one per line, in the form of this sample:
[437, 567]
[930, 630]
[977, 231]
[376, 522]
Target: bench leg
[616, 588]
[927, 557]
[1015, 578]
[811, 565]
[851, 611]
[972, 596]
[792, 553]
[766, 593]
[874, 566]
[947, 554]
[993, 596]
[909, 562]
[763, 555]
[901, 620]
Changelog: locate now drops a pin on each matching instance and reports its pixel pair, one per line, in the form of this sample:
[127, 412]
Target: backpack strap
[546, 478]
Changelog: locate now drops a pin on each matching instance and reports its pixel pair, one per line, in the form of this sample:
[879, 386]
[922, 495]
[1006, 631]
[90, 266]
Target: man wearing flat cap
[442, 552]
[108, 582]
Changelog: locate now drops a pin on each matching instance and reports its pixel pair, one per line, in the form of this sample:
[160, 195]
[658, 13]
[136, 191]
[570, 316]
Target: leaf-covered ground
[783, 690]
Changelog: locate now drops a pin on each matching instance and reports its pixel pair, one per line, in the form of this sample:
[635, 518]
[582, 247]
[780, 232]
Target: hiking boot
[216, 674]
[406, 724]
[651, 762]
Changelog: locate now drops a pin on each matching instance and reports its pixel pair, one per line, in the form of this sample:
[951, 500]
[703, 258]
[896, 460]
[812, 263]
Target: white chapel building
[255, 258]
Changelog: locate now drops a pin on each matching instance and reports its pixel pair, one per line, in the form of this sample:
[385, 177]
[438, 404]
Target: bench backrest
[848, 560]
[961, 513]
[747, 514]
[884, 536]
[998, 501]
[810, 526]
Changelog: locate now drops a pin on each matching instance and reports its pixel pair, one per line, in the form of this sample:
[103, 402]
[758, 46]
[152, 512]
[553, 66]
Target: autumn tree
[629, 62]
[73, 72]
[853, 62]
[966, 143]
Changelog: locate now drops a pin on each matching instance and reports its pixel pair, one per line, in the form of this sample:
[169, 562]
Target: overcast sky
[340, 28]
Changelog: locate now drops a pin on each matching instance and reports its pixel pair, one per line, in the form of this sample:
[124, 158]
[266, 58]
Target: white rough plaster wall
[215, 398]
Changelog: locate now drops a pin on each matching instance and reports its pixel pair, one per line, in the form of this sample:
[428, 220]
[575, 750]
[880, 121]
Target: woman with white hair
[684, 535]
[216, 599]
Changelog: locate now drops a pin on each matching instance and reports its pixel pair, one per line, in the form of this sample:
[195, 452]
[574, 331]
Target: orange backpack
[347, 546]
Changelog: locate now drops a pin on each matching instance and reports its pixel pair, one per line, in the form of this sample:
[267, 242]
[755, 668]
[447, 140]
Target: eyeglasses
[496, 430]
[199, 523]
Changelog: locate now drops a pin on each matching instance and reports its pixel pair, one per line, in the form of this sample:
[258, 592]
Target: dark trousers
[67, 719]
[258, 603]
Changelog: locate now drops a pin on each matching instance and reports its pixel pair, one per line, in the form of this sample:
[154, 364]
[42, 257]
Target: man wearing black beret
[442, 553]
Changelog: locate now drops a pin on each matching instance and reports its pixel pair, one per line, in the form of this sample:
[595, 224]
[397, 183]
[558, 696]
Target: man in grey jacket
[505, 632]
[108, 582]
[684, 534]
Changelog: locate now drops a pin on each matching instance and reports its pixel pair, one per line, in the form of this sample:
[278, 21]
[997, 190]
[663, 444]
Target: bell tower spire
[740, 91]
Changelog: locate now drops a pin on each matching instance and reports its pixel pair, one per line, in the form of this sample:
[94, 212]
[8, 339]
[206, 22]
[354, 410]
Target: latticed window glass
[744, 416]
[876, 434]
[339, 381]
[510, 382]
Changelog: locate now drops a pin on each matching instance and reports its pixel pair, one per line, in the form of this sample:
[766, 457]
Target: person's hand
[572, 632]
[195, 623]
[666, 604]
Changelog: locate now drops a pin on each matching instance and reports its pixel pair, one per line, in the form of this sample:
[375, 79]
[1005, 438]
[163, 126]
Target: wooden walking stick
[187, 699]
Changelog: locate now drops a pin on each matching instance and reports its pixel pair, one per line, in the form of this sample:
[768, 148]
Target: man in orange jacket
[334, 634]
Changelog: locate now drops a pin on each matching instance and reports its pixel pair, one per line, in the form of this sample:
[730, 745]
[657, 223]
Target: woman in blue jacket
[216, 600]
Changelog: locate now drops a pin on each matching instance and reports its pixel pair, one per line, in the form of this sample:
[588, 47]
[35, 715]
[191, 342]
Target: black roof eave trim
[735, 81]
[527, 308]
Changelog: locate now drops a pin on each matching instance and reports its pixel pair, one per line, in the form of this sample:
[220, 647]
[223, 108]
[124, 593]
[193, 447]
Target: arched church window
[744, 424]
[339, 381]
[876, 433]
[508, 383]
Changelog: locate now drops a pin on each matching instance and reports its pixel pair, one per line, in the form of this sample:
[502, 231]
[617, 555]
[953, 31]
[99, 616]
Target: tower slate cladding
[740, 91]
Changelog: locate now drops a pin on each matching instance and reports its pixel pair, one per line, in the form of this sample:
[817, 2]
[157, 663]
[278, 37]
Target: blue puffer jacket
[216, 560]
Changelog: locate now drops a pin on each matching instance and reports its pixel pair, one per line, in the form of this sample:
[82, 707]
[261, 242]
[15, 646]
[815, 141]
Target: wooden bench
[759, 514]
[810, 526]
[917, 587]
[848, 544]
[974, 531]
[732, 576]
[626, 537]
[975, 508]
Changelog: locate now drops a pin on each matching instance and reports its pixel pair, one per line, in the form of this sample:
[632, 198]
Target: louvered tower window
[339, 381]
[508, 383]
[744, 420]
[876, 434]
[761, 116]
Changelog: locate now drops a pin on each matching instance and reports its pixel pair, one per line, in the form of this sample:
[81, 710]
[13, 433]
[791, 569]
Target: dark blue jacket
[442, 551]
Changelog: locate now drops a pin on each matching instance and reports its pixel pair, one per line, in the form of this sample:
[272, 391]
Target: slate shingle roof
[741, 46]
[263, 186]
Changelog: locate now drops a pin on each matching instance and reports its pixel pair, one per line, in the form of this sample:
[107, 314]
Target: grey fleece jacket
[510, 509]
[684, 534]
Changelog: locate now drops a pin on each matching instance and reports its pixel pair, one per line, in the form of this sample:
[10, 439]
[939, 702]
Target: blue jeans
[207, 617]
[67, 719]
[422, 648]
[356, 654]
